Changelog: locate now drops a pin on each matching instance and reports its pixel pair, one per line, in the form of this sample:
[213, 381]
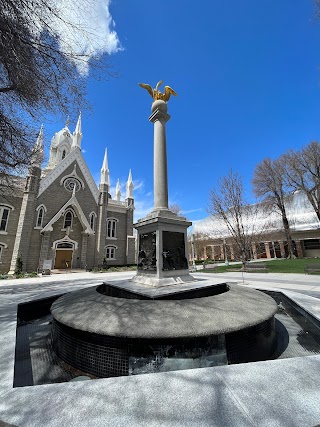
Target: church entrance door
[63, 258]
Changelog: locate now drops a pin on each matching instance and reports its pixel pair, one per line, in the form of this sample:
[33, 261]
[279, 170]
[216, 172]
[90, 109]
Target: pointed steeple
[104, 176]
[77, 134]
[118, 192]
[37, 151]
[129, 187]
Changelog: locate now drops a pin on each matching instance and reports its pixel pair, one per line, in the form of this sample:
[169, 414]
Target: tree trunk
[288, 234]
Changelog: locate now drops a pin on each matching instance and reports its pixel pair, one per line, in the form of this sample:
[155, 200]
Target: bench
[312, 268]
[210, 266]
[255, 266]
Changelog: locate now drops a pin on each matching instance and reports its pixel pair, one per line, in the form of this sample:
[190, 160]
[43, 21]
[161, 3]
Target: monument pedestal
[162, 234]
[162, 249]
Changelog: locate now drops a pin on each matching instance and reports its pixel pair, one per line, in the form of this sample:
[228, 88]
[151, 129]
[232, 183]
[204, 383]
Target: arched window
[4, 218]
[68, 218]
[63, 154]
[2, 246]
[112, 228]
[111, 252]
[65, 245]
[92, 221]
[40, 217]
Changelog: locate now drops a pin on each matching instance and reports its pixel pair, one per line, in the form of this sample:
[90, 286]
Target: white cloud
[192, 210]
[142, 208]
[84, 28]
[138, 185]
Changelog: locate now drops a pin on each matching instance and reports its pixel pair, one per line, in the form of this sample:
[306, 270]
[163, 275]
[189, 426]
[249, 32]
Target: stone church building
[58, 218]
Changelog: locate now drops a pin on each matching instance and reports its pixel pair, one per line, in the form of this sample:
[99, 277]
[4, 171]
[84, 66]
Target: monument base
[180, 277]
[163, 249]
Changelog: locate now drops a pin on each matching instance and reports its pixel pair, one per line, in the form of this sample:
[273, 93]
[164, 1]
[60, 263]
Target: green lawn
[274, 266]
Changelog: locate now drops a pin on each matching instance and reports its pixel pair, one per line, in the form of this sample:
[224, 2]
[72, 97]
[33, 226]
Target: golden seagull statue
[156, 94]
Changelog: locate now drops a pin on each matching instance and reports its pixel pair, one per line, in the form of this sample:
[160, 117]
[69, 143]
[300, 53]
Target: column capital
[159, 114]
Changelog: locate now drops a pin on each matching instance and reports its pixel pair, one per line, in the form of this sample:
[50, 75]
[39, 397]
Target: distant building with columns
[213, 240]
[58, 217]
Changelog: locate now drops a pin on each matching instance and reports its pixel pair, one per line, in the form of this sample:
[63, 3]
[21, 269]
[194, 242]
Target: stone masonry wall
[121, 238]
[8, 237]
[55, 196]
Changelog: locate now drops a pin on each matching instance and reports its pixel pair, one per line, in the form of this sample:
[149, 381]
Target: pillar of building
[231, 251]
[299, 248]
[26, 219]
[28, 206]
[101, 232]
[44, 251]
[205, 252]
[267, 247]
[282, 249]
[84, 248]
[222, 253]
[254, 250]
[274, 249]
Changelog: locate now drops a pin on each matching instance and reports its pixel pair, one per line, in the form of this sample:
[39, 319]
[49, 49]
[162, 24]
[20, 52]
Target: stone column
[84, 247]
[44, 249]
[282, 249]
[299, 248]
[254, 250]
[231, 252]
[26, 219]
[222, 252]
[205, 252]
[101, 225]
[267, 246]
[159, 117]
[212, 253]
[162, 234]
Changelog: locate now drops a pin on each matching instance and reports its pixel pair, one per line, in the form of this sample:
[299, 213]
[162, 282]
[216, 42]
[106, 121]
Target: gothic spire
[104, 176]
[129, 186]
[118, 191]
[37, 151]
[77, 134]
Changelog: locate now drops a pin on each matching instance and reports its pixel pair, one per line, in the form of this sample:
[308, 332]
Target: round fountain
[163, 319]
[108, 331]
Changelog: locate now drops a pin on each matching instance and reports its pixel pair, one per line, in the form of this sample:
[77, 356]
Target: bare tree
[228, 206]
[268, 184]
[302, 172]
[37, 76]
[175, 208]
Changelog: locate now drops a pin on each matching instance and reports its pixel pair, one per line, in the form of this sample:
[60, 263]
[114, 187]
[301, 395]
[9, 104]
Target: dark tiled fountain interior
[36, 363]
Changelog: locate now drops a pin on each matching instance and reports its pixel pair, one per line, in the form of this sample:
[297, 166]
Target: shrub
[19, 266]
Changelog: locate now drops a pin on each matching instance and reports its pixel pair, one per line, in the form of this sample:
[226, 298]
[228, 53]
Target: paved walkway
[303, 283]
[264, 394]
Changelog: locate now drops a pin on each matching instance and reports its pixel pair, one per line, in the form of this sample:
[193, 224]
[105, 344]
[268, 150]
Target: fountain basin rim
[235, 310]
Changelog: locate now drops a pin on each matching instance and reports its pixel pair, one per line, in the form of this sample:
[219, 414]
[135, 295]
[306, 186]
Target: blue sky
[247, 76]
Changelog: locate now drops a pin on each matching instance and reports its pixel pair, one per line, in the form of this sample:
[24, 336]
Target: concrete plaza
[282, 392]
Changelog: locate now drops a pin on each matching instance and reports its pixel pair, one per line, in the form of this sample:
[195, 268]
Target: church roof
[74, 155]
